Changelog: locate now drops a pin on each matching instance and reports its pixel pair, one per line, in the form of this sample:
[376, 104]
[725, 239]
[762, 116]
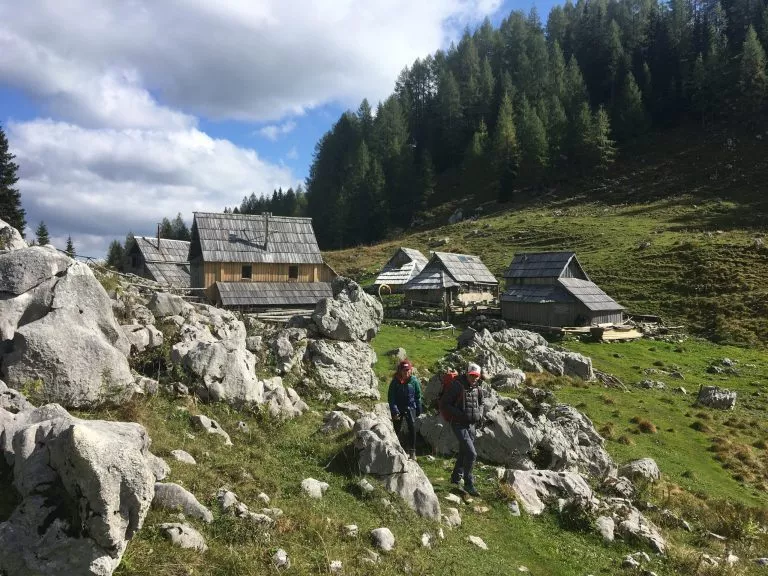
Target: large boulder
[10, 239]
[350, 315]
[60, 331]
[12, 400]
[163, 304]
[644, 469]
[84, 487]
[346, 367]
[534, 488]
[716, 397]
[561, 363]
[142, 337]
[560, 438]
[380, 454]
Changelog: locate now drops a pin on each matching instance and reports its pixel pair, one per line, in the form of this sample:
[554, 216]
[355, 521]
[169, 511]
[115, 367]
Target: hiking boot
[471, 490]
[456, 481]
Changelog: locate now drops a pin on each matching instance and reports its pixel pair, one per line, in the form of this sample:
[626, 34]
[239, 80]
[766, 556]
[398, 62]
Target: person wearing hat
[462, 405]
[405, 402]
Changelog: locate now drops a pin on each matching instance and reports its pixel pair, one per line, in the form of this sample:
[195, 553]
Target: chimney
[158, 236]
[266, 229]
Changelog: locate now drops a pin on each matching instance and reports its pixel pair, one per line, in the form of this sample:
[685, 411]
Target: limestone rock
[536, 487]
[477, 541]
[633, 525]
[23, 269]
[173, 497]
[512, 380]
[142, 337]
[716, 397]
[280, 559]
[163, 304]
[380, 454]
[350, 315]
[12, 400]
[314, 488]
[10, 238]
[62, 464]
[383, 539]
[562, 363]
[183, 536]
[643, 469]
[204, 423]
[184, 457]
[344, 366]
[605, 527]
[336, 421]
[452, 518]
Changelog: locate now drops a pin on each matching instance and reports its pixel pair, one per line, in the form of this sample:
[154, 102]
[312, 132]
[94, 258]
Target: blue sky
[122, 113]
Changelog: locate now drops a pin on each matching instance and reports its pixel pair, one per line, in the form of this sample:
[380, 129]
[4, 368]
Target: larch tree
[753, 83]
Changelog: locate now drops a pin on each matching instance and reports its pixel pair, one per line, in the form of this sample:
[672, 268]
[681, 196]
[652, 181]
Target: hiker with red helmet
[405, 402]
[462, 405]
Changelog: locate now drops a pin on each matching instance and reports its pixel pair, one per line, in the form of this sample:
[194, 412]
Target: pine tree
[10, 198]
[115, 255]
[70, 249]
[41, 234]
[506, 153]
[179, 230]
[166, 229]
[752, 76]
[629, 112]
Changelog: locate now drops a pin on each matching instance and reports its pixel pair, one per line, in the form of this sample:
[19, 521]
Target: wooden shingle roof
[566, 290]
[536, 294]
[464, 268]
[243, 238]
[590, 294]
[269, 294]
[169, 251]
[405, 264]
[539, 264]
[434, 279]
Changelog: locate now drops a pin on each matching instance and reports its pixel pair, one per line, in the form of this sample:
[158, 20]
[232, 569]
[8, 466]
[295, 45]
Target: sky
[122, 112]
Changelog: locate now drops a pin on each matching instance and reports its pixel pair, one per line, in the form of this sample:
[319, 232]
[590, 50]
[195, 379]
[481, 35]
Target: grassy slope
[699, 203]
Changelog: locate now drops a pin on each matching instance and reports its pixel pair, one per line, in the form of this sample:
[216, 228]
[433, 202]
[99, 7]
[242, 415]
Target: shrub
[626, 440]
[700, 426]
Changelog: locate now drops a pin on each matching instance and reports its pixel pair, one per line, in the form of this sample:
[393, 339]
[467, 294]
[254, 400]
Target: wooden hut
[405, 264]
[552, 289]
[452, 279]
[257, 261]
[160, 259]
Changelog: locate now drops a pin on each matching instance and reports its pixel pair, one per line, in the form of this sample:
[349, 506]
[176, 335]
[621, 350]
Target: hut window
[247, 272]
[293, 272]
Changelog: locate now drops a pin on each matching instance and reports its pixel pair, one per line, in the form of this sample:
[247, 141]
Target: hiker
[405, 402]
[462, 405]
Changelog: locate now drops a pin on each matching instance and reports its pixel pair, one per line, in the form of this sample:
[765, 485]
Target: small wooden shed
[265, 252]
[405, 264]
[450, 279]
[160, 259]
[552, 289]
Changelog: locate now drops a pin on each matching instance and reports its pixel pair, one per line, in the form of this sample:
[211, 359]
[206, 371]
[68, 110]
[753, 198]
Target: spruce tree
[629, 112]
[10, 198]
[70, 249]
[115, 255]
[603, 148]
[179, 230]
[752, 76]
[41, 234]
[533, 143]
[506, 152]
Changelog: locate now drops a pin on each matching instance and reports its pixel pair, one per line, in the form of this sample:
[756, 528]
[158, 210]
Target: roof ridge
[249, 216]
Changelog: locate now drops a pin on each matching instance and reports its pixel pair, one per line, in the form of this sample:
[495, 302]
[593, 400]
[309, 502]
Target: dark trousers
[465, 461]
[409, 415]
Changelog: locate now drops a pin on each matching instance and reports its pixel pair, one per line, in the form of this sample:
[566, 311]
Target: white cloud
[98, 184]
[274, 131]
[256, 60]
[293, 154]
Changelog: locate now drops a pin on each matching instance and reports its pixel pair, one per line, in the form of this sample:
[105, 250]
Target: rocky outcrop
[534, 488]
[60, 330]
[350, 315]
[289, 347]
[644, 469]
[345, 367]
[173, 497]
[142, 337]
[162, 304]
[84, 488]
[12, 400]
[716, 397]
[558, 438]
[559, 363]
[380, 454]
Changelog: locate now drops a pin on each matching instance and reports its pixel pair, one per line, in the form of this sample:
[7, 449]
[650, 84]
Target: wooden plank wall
[232, 272]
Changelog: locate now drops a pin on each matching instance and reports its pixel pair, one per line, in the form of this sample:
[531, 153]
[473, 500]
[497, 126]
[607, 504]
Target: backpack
[446, 380]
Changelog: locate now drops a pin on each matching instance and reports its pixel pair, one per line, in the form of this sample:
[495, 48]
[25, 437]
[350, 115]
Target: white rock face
[344, 366]
[12, 400]
[314, 488]
[183, 536]
[383, 539]
[477, 541]
[643, 469]
[350, 315]
[452, 518]
[142, 337]
[62, 330]
[62, 465]
[536, 487]
[605, 527]
[163, 304]
[381, 455]
[716, 397]
[173, 497]
[336, 421]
